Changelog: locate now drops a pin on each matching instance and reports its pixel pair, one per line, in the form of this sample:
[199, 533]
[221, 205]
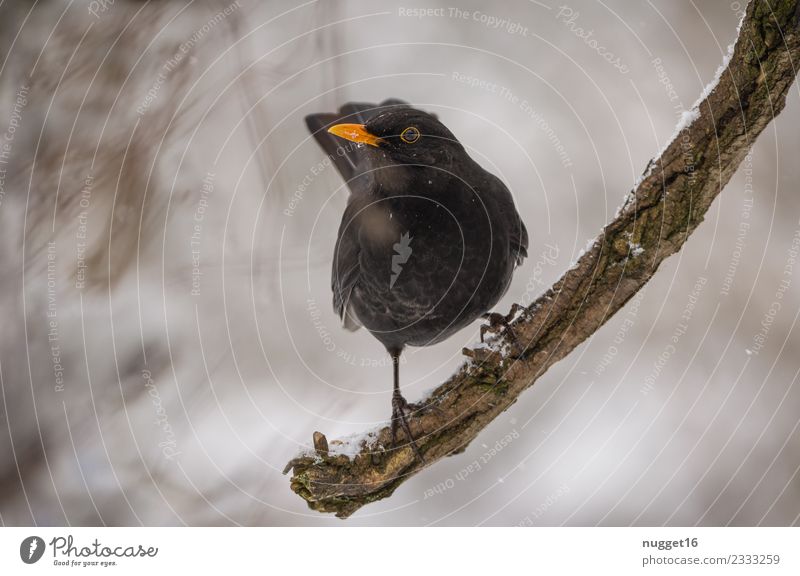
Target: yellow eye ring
[410, 135]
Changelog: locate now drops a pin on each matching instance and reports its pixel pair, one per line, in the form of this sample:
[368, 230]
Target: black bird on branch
[429, 240]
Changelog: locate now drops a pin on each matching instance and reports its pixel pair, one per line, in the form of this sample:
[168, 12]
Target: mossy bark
[666, 207]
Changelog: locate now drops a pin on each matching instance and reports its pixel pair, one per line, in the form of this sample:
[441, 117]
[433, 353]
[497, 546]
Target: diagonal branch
[668, 204]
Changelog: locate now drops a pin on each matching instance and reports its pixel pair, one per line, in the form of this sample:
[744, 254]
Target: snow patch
[635, 249]
[352, 444]
[717, 75]
[631, 196]
[689, 116]
[589, 245]
[686, 118]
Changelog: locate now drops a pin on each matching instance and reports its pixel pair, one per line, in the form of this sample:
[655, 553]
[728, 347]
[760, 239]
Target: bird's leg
[497, 321]
[399, 407]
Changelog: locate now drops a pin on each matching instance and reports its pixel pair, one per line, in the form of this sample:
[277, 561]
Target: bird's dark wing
[346, 158]
[345, 155]
[519, 240]
[346, 267]
[518, 233]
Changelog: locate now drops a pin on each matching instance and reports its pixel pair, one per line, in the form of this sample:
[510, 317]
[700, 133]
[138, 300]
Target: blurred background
[167, 227]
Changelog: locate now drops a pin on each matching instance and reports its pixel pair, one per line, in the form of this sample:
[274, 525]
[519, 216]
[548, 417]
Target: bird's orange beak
[355, 133]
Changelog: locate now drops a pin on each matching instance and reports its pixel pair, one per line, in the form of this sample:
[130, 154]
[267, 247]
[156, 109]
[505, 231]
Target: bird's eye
[410, 135]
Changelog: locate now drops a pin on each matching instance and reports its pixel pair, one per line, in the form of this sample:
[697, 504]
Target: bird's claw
[399, 408]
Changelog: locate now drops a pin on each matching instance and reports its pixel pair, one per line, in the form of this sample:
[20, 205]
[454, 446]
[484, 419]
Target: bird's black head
[404, 135]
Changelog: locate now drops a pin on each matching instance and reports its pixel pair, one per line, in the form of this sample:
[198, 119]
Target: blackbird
[429, 240]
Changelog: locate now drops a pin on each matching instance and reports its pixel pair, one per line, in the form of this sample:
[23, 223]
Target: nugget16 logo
[31, 549]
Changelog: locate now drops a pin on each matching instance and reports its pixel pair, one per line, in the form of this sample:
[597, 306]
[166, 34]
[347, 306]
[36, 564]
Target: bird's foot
[498, 321]
[399, 419]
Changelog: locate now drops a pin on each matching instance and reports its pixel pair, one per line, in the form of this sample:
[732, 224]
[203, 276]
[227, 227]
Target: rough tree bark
[659, 215]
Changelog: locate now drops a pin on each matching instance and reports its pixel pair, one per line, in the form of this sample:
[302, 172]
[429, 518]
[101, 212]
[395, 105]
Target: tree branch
[659, 215]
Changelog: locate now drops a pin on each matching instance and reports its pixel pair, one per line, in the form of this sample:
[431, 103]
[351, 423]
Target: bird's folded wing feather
[346, 268]
[519, 240]
[518, 233]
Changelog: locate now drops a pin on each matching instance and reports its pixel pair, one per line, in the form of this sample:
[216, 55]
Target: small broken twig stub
[659, 215]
